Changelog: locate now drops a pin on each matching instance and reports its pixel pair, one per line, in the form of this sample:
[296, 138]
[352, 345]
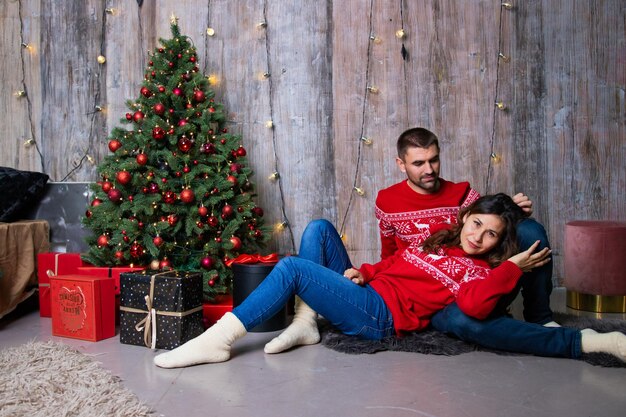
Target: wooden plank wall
[338, 72]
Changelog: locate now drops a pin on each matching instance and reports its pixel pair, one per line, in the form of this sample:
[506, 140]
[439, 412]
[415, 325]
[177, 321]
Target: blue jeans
[353, 309]
[499, 331]
[506, 333]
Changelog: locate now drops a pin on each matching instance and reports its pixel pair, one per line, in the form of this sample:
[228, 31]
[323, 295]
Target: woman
[397, 295]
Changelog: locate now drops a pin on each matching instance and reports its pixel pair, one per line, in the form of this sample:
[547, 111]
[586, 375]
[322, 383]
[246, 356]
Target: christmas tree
[176, 190]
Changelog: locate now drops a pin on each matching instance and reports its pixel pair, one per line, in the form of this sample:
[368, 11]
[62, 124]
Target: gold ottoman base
[596, 303]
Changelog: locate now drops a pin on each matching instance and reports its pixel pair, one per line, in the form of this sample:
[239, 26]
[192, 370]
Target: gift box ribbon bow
[149, 324]
[254, 258]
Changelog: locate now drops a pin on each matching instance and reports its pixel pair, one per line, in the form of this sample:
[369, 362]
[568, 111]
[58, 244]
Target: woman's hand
[354, 276]
[528, 260]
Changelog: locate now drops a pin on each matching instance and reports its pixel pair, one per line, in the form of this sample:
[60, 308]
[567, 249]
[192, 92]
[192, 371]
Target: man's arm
[524, 202]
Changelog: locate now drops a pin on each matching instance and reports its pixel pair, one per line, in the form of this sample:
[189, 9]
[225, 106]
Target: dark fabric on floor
[435, 343]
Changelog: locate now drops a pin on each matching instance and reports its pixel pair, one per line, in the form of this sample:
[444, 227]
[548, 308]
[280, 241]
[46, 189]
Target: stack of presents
[160, 310]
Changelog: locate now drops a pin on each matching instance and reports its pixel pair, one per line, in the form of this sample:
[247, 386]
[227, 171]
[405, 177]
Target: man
[405, 211]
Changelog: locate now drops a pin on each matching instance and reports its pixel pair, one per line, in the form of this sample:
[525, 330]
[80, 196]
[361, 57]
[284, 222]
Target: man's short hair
[416, 137]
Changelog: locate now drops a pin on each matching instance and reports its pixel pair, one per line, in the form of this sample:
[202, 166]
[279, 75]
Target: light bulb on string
[274, 176]
[91, 159]
[359, 191]
[500, 105]
[400, 33]
[504, 57]
[507, 6]
[495, 158]
[101, 59]
[269, 124]
[372, 89]
[210, 31]
[279, 227]
[28, 143]
[98, 108]
[366, 140]
[375, 39]
[213, 79]
[111, 10]
[20, 93]
[261, 25]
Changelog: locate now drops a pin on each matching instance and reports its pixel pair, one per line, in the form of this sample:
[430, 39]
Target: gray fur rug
[51, 379]
[435, 343]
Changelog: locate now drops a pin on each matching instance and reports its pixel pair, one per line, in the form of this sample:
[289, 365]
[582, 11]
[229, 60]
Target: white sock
[210, 347]
[613, 343]
[552, 324]
[302, 330]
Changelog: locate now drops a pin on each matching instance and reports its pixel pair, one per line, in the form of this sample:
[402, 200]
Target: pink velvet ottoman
[595, 266]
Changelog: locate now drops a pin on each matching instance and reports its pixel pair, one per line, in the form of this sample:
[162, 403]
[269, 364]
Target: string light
[111, 10]
[269, 124]
[507, 6]
[261, 25]
[91, 159]
[372, 89]
[210, 31]
[504, 57]
[366, 140]
[495, 157]
[375, 39]
[359, 191]
[213, 79]
[20, 93]
[265, 75]
[98, 108]
[400, 34]
[281, 226]
[28, 143]
[101, 59]
[275, 175]
[500, 105]
[26, 46]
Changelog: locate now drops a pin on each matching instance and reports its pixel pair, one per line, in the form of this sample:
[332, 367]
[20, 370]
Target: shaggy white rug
[51, 379]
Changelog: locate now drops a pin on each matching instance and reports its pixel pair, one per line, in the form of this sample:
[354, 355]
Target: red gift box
[83, 307]
[50, 264]
[106, 271]
[213, 311]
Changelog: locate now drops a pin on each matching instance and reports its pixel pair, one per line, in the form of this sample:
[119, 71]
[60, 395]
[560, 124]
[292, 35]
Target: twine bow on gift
[254, 258]
[149, 323]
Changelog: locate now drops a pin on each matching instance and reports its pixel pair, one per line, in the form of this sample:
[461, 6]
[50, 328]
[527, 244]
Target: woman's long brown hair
[499, 204]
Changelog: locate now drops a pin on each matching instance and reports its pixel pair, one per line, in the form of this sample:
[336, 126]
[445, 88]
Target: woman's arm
[479, 297]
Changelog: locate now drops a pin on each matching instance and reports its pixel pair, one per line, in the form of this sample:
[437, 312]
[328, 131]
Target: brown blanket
[20, 242]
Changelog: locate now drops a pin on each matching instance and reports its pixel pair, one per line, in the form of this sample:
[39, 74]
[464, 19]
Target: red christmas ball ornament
[232, 179]
[223, 141]
[258, 234]
[145, 91]
[161, 89]
[211, 109]
[241, 151]
[236, 242]
[211, 283]
[171, 64]
[158, 241]
[192, 58]
[115, 195]
[138, 116]
[103, 240]
[209, 148]
[240, 209]
[158, 133]
[227, 210]
[177, 91]
[184, 144]
[258, 211]
[88, 213]
[123, 177]
[119, 254]
[126, 239]
[106, 186]
[153, 188]
[234, 167]
[187, 196]
[96, 202]
[203, 211]
[114, 145]
[159, 109]
[169, 197]
[186, 169]
[172, 219]
[207, 262]
[182, 122]
[198, 96]
[213, 221]
[129, 116]
[165, 264]
[136, 250]
[142, 159]
[225, 130]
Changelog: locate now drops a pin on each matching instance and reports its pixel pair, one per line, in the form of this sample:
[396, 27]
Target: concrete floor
[317, 381]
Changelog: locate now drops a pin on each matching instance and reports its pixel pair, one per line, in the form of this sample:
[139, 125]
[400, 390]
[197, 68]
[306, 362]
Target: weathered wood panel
[561, 139]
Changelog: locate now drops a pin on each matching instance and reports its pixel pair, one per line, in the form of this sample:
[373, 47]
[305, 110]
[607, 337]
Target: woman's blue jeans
[316, 276]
